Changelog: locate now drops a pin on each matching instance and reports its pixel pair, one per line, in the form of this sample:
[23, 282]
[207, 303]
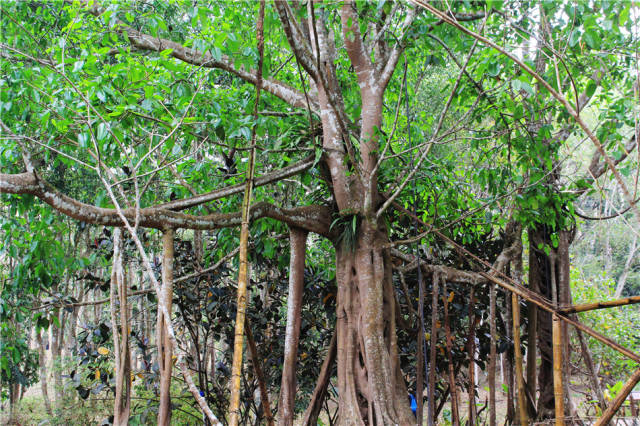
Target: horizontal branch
[311, 218]
[446, 272]
[274, 176]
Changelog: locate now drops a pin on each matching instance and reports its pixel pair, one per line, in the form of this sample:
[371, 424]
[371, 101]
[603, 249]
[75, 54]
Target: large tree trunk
[370, 385]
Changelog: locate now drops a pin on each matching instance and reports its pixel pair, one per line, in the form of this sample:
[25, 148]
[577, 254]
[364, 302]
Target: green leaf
[77, 66]
[493, 69]
[83, 140]
[624, 14]
[102, 131]
[574, 38]
[591, 38]
[591, 88]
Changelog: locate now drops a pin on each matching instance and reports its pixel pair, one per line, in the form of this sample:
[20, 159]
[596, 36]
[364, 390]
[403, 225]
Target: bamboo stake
[557, 370]
[236, 370]
[617, 403]
[433, 341]
[492, 356]
[522, 402]
[532, 353]
[600, 305]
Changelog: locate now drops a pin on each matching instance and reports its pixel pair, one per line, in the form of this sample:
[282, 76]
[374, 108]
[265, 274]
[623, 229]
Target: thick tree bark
[370, 382]
[286, 404]
[540, 277]
[165, 349]
[549, 273]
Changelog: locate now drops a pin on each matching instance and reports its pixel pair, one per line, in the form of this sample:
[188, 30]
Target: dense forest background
[404, 198]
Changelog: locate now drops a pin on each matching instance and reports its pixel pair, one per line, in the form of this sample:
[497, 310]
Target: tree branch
[311, 218]
[299, 45]
[274, 176]
[355, 46]
[195, 57]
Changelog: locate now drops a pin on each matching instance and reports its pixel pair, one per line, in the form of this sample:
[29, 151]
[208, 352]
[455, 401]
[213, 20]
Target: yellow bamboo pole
[558, 389]
[243, 267]
[522, 401]
[600, 305]
[617, 403]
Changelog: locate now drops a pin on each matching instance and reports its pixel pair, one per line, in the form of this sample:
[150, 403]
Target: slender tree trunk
[455, 414]
[420, 364]
[471, 351]
[312, 412]
[593, 375]
[286, 404]
[532, 332]
[122, 400]
[56, 361]
[627, 267]
[165, 353]
[492, 355]
[517, 349]
[42, 361]
[431, 412]
[243, 261]
[264, 394]
[508, 362]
